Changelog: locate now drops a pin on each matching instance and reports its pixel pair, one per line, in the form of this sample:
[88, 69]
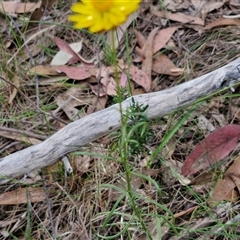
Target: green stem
[124, 143]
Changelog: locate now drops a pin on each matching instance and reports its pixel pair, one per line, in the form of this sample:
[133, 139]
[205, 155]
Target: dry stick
[25, 133]
[92, 127]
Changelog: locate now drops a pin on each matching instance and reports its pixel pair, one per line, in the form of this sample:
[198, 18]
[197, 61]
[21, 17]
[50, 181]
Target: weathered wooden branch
[90, 128]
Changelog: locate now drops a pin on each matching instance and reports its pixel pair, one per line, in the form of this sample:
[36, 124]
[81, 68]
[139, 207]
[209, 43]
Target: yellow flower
[102, 15]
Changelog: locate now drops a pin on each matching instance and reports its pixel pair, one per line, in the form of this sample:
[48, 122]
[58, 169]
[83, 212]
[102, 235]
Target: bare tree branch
[92, 127]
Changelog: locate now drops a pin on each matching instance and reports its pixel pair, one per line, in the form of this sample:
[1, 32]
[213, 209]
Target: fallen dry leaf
[140, 77]
[41, 10]
[163, 65]
[107, 80]
[234, 172]
[42, 71]
[222, 22]
[64, 47]
[234, 3]
[22, 195]
[176, 5]
[178, 17]
[123, 80]
[148, 54]
[98, 90]
[77, 73]
[162, 37]
[18, 7]
[63, 57]
[109, 85]
[71, 99]
[140, 38]
[81, 163]
[210, 6]
[224, 190]
[98, 103]
[13, 92]
[19, 137]
[159, 41]
[213, 148]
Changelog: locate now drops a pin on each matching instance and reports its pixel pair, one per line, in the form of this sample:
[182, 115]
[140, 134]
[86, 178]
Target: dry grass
[94, 202]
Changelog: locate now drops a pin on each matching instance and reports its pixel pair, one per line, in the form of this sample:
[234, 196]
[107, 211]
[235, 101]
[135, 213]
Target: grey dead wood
[85, 130]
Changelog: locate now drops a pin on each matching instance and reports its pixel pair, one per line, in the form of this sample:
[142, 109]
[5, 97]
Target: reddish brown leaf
[77, 73]
[213, 148]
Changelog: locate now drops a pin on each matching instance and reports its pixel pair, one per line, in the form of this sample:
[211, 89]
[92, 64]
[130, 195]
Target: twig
[25, 133]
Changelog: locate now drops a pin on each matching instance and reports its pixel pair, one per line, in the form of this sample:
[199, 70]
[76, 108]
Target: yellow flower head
[102, 15]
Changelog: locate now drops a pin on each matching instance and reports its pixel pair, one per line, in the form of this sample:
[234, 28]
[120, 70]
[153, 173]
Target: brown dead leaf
[108, 82]
[210, 6]
[206, 177]
[140, 77]
[98, 103]
[98, 90]
[176, 5]
[13, 91]
[235, 112]
[137, 91]
[22, 195]
[19, 137]
[163, 65]
[234, 172]
[162, 37]
[140, 38]
[42, 71]
[38, 13]
[234, 3]
[160, 40]
[76, 73]
[71, 99]
[222, 22]
[82, 163]
[109, 85]
[224, 190]
[178, 17]
[18, 7]
[148, 54]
